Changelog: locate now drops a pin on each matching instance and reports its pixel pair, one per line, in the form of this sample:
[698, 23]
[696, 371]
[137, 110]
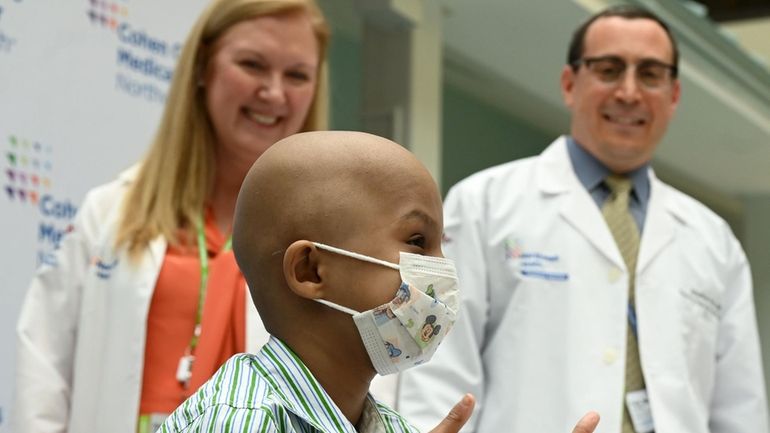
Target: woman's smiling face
[260, 82]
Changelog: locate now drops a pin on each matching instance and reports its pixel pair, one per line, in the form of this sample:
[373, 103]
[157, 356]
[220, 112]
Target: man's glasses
[651, 74]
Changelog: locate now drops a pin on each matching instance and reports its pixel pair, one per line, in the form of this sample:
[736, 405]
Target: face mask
[407, 330]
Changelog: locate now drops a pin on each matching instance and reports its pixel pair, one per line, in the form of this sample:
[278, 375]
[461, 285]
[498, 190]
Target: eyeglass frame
[587, 61]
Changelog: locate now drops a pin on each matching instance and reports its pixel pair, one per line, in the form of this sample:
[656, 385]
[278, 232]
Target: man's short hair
[577, 44]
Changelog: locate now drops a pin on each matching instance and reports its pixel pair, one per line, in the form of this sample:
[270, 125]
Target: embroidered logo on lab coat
[533, 263]
[103, 268]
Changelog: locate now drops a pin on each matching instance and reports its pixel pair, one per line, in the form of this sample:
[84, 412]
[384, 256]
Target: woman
[121, 330]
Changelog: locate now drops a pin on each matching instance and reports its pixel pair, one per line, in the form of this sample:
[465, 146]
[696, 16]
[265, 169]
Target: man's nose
[628, 87]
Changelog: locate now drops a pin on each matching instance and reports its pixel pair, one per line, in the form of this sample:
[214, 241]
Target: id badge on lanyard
[185, 366]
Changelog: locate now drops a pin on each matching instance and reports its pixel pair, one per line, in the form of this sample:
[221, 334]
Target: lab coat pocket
[702, 304]
[700, 313]
[538, 282]
[530, 276]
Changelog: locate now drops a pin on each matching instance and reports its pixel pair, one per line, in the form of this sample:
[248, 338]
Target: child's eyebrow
[420, 215]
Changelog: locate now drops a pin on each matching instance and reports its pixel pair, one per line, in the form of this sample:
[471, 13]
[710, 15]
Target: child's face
[405, 215]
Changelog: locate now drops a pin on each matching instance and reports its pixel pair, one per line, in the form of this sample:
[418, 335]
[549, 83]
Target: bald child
[307, 201]
[339, 237]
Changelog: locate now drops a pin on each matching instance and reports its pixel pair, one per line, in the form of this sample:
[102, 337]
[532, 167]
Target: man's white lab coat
[541, 338]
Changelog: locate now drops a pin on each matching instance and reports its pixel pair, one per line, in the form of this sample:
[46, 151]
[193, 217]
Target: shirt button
[614, 274]
[610, 356]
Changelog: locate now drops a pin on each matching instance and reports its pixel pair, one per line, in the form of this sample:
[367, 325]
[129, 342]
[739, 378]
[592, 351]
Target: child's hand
[459, 414]
[587, 424]
[462, 411]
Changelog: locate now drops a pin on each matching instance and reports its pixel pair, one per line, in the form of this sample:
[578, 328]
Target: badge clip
[184, 369]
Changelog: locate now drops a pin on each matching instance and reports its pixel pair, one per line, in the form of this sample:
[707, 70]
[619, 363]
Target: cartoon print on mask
[429, 330]
[402, 295]
[430, 292]
[383, 314]
[393, 351]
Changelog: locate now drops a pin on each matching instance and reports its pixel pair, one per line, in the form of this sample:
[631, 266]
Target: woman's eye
[252, 64]
[298, 76]
[417, 240]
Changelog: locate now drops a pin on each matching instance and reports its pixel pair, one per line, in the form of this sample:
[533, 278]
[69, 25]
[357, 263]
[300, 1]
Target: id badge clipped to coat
[639, 409]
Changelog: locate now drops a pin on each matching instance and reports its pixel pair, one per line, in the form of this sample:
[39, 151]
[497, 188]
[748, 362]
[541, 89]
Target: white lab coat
[541, 338]
[82, 328]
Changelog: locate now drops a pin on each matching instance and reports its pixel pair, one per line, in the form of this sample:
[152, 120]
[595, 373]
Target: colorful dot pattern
[27, 170]
[107, 14]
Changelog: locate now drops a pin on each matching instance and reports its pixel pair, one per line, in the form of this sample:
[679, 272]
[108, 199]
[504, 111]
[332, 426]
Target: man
[589, 283]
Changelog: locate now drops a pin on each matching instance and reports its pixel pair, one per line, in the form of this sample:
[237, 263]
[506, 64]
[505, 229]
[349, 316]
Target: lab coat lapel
[582, 213]
[557, 177]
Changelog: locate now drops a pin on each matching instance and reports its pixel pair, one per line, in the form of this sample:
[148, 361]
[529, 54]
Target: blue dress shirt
[591, 173]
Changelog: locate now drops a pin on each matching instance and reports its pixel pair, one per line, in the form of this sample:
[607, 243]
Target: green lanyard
[184, 369]
[204, 258]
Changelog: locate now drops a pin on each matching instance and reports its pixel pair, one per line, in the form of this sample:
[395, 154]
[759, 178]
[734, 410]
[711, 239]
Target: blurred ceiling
[730, 10]
[753, 35]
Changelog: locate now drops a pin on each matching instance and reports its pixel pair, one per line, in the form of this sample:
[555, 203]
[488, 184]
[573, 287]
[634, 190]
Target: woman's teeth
[262, 118]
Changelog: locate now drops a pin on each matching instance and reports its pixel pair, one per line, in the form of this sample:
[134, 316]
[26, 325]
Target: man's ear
[300, 269]
[567, 84]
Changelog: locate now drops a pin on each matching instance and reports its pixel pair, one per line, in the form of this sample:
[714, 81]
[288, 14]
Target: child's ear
[300, 268]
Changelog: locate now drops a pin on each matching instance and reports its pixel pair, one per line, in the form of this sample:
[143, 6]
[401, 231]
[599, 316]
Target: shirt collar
[303, 395]
[591, 172]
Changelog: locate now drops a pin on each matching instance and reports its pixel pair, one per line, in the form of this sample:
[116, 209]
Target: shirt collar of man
[591, 172]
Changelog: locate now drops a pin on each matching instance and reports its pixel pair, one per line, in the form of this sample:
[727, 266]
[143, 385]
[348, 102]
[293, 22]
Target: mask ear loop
[356, 256]
[337, 307]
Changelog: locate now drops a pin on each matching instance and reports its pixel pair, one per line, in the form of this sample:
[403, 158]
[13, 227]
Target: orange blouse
[171, 320]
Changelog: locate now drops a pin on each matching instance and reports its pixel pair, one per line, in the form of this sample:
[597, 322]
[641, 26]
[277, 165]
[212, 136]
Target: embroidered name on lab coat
[535, 264]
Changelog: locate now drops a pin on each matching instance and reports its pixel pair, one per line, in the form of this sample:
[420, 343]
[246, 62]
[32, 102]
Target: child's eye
[417, 240]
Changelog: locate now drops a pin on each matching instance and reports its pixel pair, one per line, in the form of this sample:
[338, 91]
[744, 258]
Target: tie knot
[618, 185]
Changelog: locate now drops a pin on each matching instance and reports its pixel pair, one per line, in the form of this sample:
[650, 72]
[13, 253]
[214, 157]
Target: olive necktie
[626, 234]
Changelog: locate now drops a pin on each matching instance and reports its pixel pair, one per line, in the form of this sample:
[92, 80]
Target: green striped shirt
[273, 391]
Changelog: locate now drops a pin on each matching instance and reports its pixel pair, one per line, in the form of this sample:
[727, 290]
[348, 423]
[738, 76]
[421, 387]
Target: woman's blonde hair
[177, 173]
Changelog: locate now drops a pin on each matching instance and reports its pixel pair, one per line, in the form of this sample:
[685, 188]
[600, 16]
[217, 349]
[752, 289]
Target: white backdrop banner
[82, 86]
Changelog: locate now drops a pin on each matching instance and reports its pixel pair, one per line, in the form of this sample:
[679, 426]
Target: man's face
[620, 123]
